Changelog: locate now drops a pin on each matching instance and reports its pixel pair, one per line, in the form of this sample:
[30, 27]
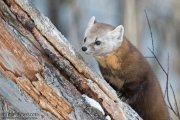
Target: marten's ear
[90, 24]
[92, 21]
[118, 33]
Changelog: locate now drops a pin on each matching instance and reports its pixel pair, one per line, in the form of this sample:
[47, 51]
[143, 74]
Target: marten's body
[128, 72]
[125, 68]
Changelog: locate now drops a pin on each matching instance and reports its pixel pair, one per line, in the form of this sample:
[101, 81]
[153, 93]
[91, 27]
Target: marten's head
[101, 39]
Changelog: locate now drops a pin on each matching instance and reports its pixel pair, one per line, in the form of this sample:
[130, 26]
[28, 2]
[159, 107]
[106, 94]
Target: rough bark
[41, 73]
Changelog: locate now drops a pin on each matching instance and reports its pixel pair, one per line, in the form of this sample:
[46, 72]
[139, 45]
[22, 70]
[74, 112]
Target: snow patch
[93, 103]
[108, 117]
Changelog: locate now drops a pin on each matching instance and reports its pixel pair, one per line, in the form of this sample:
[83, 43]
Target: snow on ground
[96, 105]
[93, 103]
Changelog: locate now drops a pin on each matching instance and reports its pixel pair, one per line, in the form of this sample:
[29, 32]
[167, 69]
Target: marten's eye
[97, 42]
[84, 39]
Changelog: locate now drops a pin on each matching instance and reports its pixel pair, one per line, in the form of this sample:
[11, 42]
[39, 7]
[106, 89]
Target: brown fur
[128, 72]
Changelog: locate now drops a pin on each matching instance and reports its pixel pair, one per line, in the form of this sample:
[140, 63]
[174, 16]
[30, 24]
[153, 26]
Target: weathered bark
[41, 73]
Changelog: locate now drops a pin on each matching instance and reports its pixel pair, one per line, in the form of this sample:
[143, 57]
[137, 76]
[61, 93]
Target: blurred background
[72, 16]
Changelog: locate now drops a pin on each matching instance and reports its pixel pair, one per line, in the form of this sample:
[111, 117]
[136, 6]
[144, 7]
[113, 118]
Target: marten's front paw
[124, 99]
[122, 96]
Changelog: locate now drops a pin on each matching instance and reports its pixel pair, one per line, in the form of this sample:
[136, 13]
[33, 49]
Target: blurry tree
[53, 11]
[130, 21]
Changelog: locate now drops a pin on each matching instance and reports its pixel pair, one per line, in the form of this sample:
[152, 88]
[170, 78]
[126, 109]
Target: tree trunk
[41, 76]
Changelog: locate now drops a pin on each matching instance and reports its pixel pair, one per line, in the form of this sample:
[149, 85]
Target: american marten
[125, 69]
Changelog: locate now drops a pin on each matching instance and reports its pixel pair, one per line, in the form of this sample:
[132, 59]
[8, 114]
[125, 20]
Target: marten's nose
[84, 48]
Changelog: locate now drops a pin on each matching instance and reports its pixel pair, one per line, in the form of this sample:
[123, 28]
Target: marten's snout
[84, 48]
